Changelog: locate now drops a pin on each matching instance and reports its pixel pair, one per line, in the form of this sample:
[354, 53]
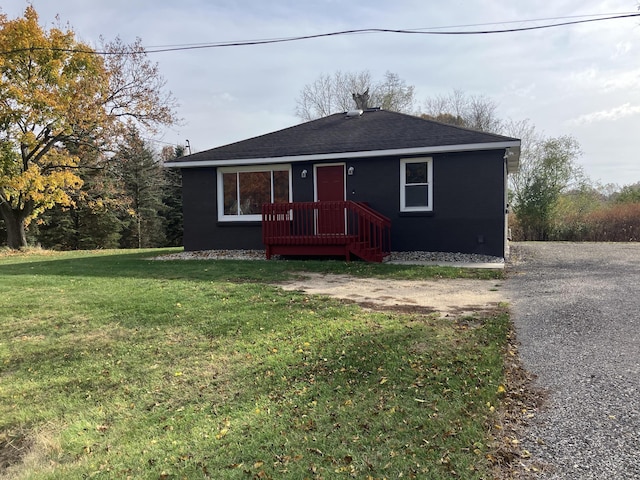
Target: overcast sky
[580, 80]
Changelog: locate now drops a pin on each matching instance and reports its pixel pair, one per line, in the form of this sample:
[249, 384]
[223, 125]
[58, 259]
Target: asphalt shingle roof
[339, 133]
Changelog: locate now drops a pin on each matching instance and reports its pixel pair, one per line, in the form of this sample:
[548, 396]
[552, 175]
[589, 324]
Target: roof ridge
[374, 130]
[466, 129]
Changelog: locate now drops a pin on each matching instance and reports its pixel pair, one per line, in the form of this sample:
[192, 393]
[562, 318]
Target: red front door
[330, 188]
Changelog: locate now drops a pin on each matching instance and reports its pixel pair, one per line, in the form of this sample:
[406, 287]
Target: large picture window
[243, 190]
[416, 185]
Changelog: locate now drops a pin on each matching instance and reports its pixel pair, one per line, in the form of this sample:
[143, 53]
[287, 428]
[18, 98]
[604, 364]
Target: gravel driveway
[576, 309]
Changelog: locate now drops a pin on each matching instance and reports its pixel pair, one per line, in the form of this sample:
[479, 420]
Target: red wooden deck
[341, 228]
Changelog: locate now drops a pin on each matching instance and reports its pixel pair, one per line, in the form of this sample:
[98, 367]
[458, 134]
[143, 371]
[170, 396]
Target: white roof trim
[345, 155]
[512, 157]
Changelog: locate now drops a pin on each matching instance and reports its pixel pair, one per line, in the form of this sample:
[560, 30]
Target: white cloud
[610, 81]
[613, 114]
[522, 90]
[623, 80]
[222, 98]
[622, 48]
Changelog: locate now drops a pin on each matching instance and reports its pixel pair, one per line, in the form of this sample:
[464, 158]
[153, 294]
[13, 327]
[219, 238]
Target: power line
[176, 144]
[412, 30]
[543, 19]
[420, 31]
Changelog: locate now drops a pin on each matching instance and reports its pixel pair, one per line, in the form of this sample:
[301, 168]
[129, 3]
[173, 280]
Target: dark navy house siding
[202, 231]
[468, 204]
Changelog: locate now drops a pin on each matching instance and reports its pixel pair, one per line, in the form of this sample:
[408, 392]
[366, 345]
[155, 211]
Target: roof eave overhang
[514, 145]
[512, 157]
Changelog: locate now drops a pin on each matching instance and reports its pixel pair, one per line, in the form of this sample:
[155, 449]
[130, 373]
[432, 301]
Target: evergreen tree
[92, 220]
[143, 178]
[99, 223]
[172, 198]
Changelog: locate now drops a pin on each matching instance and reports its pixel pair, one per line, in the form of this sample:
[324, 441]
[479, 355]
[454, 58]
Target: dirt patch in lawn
[449, 297]
[12, 449]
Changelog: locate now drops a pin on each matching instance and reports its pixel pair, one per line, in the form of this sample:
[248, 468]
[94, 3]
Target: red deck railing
[326, 228]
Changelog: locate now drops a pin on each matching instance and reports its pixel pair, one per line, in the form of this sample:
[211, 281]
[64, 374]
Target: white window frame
[429, 184]
[222, 217]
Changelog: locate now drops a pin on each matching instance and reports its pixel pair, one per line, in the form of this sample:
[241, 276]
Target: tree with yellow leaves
[58, 96]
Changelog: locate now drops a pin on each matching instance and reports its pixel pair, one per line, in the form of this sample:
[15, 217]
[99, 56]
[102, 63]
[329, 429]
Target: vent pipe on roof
[354, 113]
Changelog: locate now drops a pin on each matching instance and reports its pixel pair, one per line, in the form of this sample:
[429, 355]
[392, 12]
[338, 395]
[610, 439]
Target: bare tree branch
[330, 94]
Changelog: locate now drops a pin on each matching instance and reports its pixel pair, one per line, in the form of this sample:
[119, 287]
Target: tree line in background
[77, 173]
[129, 200]
[550, 196]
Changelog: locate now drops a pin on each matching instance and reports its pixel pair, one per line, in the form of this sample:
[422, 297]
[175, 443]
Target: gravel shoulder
[576, 312]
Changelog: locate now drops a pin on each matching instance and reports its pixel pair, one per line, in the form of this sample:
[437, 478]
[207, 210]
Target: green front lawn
[115, 366]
